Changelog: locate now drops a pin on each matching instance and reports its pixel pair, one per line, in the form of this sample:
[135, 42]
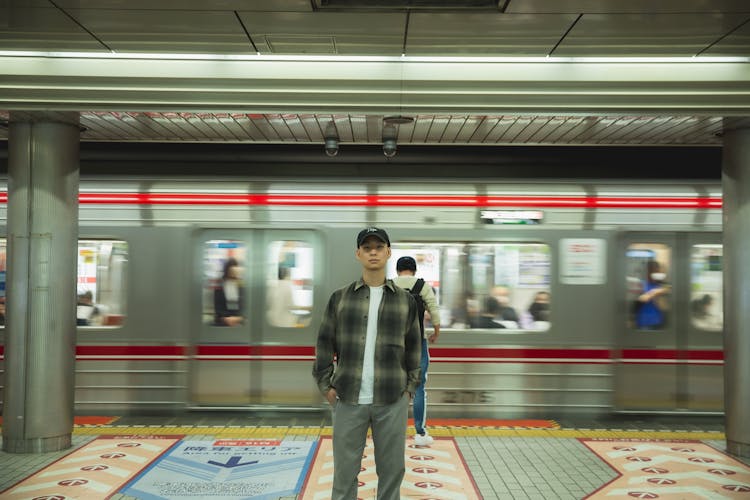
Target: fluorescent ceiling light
[334, 58]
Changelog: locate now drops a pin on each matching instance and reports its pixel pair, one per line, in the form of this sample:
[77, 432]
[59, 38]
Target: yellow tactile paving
[316, 431]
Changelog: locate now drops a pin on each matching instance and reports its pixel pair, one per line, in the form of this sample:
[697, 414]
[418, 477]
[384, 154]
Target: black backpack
[415, 291]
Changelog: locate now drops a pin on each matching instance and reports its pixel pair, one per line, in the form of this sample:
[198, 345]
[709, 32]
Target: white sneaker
[423, 439]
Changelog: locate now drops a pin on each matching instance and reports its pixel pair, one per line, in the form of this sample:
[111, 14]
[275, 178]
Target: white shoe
[423, 439]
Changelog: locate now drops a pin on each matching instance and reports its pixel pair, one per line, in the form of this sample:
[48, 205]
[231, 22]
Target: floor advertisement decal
[679, 469]
[94, 471]
[437, 472]
[261, 469]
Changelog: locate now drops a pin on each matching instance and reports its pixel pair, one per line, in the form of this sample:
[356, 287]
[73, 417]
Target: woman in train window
[650, 312]
[229, 296]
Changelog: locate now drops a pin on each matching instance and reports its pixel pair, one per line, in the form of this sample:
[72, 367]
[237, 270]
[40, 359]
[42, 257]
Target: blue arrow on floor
[232, 462]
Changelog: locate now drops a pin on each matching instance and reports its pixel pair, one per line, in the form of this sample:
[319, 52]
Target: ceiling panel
[736, 43]
[485, 34]
[369, 129]
[621, 6]
[557, 127]
[166, 30]
[43, 29]
[213, 5]
[326, 32]
[665, 35]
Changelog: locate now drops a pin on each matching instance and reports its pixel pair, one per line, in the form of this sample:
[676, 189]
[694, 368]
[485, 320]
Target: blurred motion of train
[152, 255]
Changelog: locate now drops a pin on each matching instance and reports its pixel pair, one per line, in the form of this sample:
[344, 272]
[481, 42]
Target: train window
[508, 286]
[289, 284]
[102, 283]
[706, 299]
[223, 287]
[503, 286]
[648, 291]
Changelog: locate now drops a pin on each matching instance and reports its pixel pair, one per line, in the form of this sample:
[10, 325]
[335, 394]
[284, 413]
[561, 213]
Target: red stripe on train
[437, 354]
[688, 202]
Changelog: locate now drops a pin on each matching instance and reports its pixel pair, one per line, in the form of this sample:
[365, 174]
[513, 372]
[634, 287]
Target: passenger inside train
[87, 313]
[491, 310]
[538, 312]
[229, 296]
[650, 312]
[506, 314]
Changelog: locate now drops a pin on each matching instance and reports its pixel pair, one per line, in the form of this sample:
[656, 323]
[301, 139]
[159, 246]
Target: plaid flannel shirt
[340, 348]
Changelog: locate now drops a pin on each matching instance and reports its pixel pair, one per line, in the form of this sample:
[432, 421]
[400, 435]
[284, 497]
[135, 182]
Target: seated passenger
[506, 312]
[86, 312]
[539, 309]
[486, 318]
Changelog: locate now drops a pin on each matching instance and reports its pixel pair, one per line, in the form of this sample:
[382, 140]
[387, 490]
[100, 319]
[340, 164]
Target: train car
[152, 337]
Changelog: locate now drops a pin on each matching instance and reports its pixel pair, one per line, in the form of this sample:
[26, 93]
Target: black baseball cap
[373, 231]
[406, 264]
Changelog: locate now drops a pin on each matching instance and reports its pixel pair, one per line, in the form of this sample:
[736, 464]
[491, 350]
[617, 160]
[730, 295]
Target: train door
[292, 267]
[667, 360]
[704, 372]
[253, 310]
[222, 328]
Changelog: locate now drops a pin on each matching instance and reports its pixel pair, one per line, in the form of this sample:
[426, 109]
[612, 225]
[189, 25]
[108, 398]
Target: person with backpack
[406, 267]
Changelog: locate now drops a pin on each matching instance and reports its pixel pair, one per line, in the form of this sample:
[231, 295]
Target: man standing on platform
[367, 361]
[406, 267]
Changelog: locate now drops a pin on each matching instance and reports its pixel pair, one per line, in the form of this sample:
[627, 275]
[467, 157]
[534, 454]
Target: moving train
[152, 253]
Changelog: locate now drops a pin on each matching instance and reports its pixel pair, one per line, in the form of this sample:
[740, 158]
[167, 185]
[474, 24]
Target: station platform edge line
[282, 431]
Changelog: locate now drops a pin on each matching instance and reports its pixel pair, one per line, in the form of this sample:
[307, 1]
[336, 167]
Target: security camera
[332, 146]
[389, 148]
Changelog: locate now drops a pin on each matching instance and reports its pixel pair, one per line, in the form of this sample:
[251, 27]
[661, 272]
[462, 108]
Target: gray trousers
[350, 424]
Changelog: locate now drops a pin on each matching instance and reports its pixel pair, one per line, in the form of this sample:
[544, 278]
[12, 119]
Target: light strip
[367, 59]
[582, 202]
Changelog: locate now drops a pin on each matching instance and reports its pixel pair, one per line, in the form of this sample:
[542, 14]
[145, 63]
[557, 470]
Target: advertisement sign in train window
[224, 299]
[649, 291]
[706, 282]
[289, 284]
[101, 284]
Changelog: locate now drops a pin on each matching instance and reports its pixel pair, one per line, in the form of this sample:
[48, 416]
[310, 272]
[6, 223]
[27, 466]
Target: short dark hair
[406, 263]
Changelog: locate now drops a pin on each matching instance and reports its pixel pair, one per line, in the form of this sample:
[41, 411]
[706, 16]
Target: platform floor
[565, 458]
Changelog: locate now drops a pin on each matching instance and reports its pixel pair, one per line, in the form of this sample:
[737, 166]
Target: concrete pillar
[42, 242]
[736, 228]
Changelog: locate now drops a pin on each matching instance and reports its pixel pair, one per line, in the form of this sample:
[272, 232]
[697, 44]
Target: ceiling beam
[386, 85]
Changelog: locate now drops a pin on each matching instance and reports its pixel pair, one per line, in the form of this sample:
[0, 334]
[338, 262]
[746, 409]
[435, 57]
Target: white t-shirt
[368, 365]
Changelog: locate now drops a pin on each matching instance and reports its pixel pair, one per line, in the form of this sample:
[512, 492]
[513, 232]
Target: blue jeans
[420, 397]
